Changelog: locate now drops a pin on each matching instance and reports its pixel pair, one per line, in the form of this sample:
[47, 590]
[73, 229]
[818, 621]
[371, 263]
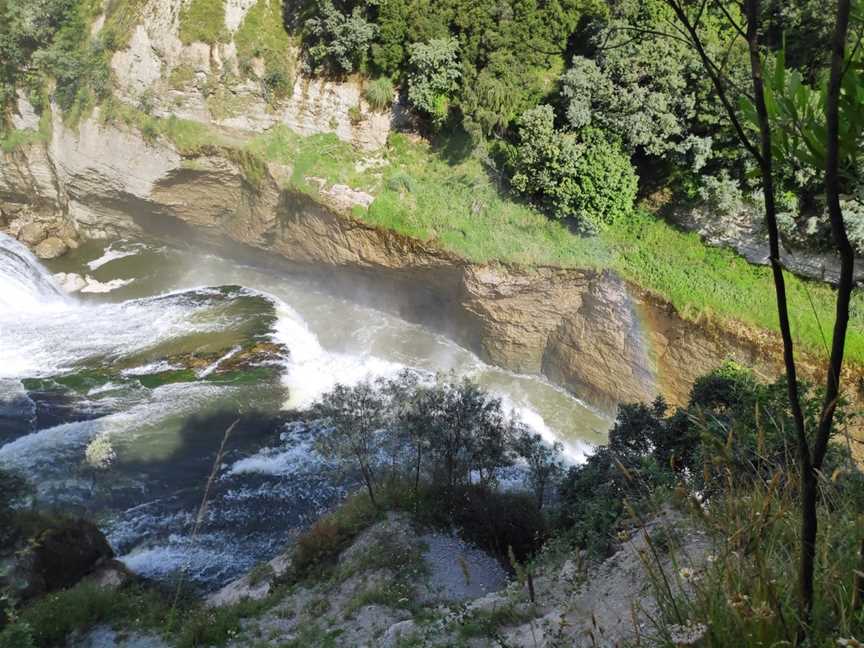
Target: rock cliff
[602, 338]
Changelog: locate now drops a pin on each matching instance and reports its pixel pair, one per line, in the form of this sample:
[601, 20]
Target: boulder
[67, 552]
[111, 574]
[51, 248]
[398, 633]
[52, 554]
[32, 233]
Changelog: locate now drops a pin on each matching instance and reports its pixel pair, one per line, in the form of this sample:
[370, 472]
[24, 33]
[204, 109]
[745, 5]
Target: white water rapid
[147, 376]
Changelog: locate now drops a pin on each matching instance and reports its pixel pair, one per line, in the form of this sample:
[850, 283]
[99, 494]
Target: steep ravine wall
[587, 330]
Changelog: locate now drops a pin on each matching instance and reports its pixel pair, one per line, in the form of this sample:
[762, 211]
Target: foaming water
[74, 371]
[25, 285]
[117, 250]
[311, 371]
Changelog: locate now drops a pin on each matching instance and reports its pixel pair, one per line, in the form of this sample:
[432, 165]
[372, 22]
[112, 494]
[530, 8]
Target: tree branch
[838, 233]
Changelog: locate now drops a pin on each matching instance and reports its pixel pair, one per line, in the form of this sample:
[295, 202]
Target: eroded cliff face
[589, 331]
[211, 84]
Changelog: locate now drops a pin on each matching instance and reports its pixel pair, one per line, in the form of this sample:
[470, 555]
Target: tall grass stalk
[199, 518]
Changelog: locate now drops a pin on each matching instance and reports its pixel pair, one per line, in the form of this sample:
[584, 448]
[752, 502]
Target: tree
[339, 40]
[354, 430]
[466, 433]
[433, 76]
[812, 443]
[543, 460]
[411, 407]
[581, 176]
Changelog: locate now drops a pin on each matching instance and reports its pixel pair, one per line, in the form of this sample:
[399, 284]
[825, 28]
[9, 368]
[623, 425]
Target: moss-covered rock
[50, 553]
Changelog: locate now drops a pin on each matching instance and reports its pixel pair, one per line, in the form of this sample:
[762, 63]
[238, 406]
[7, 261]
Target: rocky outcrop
[158, 71]
[745, 233]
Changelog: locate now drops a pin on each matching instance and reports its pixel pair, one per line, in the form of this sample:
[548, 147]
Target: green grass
[13, 139]
[379, 93]
[262, 35]
[203, 21]
[435, 193]
[54, 617]
[705, 281]
[50, 620]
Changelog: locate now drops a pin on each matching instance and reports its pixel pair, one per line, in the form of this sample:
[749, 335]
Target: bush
[434, 72]
[733, 435]
[53, 618]
[336, 41]
[379, 94]
[581, 176]
[318, 548]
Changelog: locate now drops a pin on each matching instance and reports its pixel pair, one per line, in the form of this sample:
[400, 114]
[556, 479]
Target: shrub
[320, 546]
[338, 41]
[581, 176]
[262, 35]
[434, 71]
[379, 94]
[54, 617]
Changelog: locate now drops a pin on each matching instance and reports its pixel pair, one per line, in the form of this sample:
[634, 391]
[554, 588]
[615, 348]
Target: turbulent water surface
[116, 402]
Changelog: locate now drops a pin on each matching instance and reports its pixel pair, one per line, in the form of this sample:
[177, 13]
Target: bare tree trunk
[417, 470]
[808, 483]
[368, 479]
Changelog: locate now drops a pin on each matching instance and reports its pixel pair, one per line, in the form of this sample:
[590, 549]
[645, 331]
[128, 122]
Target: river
[114, 402]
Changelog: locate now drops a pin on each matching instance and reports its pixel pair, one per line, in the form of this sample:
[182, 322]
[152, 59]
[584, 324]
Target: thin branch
[716, 79]
[720, 5]
[838, 233]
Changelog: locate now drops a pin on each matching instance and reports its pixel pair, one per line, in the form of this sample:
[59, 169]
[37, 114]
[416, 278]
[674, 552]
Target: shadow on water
[187, 468]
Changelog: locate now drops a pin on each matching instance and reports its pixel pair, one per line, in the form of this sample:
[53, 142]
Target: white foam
[25, 286]
[94, 286]
[112, 254]
[312, 371]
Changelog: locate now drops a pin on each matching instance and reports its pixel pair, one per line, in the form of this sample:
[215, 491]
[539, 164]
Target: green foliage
[573, 176]
[203, 21]
[50, 39]
[13, 488]
[433, 75]
[745, 595]
[51, 619]
[649, 90]
[208, 626]
[121, 16]
[16, 634]
[262, 35]
[731, 436]
[379, 94]
[543, 460]
[486, 623]
[507, 54]
[336, 41]
[317, 549]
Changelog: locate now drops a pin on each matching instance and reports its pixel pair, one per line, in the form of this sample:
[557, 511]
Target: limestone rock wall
[204, 83]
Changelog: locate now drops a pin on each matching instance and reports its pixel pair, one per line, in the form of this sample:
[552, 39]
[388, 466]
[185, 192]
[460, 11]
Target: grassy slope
[439, 193]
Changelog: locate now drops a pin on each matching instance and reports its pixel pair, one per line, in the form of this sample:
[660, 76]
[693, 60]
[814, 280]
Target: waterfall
[25, 285]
